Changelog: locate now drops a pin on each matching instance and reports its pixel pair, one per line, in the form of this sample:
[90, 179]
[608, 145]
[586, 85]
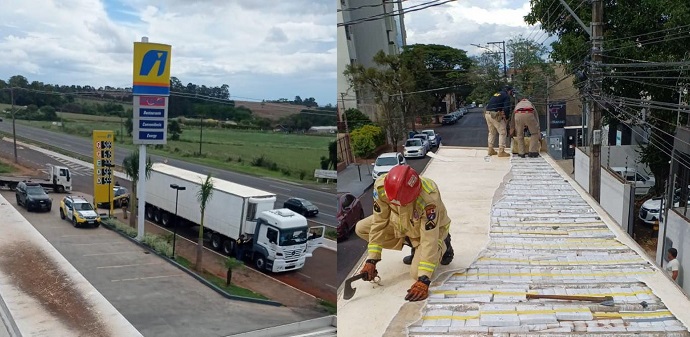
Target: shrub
[366, 139]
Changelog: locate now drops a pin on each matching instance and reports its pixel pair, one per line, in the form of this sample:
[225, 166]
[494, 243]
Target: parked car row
[650, 209]
[453, 117]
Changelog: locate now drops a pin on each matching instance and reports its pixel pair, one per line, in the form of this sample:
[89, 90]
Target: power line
[410, 9]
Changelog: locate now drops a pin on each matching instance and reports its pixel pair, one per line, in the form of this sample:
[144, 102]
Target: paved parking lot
[156, 297]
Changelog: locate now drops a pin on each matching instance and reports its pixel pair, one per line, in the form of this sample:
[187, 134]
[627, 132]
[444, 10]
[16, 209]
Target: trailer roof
[219, 184]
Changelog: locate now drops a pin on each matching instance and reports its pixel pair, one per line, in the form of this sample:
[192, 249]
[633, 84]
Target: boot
[533, 154]
[448, 255]
[492, 152]
[503, 153]
[408, 259]
[521, 155]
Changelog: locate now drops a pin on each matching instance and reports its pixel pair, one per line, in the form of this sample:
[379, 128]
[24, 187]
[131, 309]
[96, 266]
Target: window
[347, 32]
[272, 235]
[251, 211]
[63, 172]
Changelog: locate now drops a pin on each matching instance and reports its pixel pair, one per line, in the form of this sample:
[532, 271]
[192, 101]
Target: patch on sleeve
[377, 208]
[429, 225]
[430, 212]
[376, 194]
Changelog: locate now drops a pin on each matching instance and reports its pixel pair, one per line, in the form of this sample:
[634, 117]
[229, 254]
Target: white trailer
[279, 239]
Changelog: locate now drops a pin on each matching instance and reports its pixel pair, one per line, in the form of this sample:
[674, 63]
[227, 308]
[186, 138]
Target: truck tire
[165, 219]
[157, 215]
[260, 262]
[149, 212]
[13, 186]
[61, 189]
[216, 241]
[229, 247]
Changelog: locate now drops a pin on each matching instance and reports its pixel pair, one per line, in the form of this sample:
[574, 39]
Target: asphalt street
[317, 277]
[154, 296]
[324, 198]
[469, 131]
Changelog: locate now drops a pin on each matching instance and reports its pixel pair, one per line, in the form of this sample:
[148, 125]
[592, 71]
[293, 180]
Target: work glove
[370, 270]
[419, 290]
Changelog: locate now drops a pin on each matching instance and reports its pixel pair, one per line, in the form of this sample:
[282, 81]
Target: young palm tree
[131, 167]
[203, 196]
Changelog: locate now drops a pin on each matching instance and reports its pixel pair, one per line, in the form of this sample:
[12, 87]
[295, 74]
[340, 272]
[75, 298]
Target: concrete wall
[678, 234]
[621, 156]
[615, 194]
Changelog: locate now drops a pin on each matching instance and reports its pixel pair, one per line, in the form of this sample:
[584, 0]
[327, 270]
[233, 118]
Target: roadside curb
[194, 275]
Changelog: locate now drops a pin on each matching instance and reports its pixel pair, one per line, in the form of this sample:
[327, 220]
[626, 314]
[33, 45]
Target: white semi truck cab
[283, 240]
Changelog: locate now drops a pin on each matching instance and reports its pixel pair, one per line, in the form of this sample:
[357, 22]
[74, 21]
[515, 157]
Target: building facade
[358, 42]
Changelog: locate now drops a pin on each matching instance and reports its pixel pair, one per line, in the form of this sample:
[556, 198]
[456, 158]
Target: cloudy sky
[262, 49]
[462, 23]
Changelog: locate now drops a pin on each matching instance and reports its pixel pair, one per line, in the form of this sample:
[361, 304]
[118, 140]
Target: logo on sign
[151, 101]
[151, 59]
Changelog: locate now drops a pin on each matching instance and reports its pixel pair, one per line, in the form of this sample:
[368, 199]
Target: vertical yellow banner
[103, 165]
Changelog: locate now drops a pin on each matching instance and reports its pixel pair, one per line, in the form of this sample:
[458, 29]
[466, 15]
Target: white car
[414, 148]
[642, 182]
[425, 140]
[385, 162]
[649, 211]
[434, 138]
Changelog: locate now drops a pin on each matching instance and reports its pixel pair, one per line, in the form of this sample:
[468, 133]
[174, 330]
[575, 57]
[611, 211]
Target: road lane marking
[328, 285]
[128, 265]
[303, 274]
[146, 278]
[280, 188]
[101, 254]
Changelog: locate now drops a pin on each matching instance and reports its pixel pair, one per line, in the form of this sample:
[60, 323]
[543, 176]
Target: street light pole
[201, 133]
[177, 189]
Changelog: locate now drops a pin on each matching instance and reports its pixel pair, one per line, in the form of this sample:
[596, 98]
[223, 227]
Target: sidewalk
[355, 179]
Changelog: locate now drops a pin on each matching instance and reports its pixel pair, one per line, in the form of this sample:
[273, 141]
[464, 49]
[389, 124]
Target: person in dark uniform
[497, 114]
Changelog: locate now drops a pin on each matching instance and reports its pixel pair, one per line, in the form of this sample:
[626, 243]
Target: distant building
[323, 129]
[358, 43]
[281, 128]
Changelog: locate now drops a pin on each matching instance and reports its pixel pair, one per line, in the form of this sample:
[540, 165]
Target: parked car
[414, 148]
[301, 206]
[120, 198]
[79, 211]
[425, 140]
[385, 163]
[434, 138]
[649, 211]
[350, 211]
[642, 182]
[32, 196]
[448, 119]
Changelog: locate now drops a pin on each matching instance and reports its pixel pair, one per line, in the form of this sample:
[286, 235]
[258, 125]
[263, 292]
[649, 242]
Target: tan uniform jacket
[424, 220]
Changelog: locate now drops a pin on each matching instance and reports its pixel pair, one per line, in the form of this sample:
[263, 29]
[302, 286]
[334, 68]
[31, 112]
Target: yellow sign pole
[103, 165]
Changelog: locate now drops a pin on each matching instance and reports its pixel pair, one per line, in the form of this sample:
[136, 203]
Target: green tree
[356, 119]
[48, 113]
[174, 129]
[385, 82]
[129, 125]
[231, 264]
[532, 73]
[203, 196]
[333, 154]
[486, 76]
[634, 32]
[131, 167]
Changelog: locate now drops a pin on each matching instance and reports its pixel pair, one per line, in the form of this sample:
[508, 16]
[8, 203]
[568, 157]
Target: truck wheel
[62, 214]
[165, 219]
[260, 262]
[229, 246]
[149, 212]
[157, 215]
[61, 189]
[13, 186]
[216, 241]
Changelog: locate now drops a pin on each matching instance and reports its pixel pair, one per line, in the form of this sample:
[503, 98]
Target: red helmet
[402, 185]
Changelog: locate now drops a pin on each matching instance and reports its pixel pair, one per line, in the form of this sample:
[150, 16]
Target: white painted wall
[678, 231]
[614, 192]
[621, 156]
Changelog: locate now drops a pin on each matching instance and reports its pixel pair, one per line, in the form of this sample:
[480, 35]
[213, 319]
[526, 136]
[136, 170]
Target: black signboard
[557, 115]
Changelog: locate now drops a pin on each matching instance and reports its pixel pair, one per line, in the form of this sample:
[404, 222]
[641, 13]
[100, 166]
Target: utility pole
[505, 65]
[548, 113]
[14, 130]
[595, 147]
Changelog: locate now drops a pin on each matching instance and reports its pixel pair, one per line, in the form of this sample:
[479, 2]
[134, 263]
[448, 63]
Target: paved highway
[469, 131]
[324, 199]
[316, 278]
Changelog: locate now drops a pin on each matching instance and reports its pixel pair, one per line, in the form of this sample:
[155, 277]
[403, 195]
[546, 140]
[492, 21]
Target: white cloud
[213, 42]
[462, 23]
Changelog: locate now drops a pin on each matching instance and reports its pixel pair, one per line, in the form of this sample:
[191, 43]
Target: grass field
[6, 168]
[295, 156]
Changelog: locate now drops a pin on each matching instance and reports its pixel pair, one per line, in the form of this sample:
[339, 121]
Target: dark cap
[507, 88]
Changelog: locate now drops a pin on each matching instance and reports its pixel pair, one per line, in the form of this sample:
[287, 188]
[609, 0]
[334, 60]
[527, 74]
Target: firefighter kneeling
[407, 211]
